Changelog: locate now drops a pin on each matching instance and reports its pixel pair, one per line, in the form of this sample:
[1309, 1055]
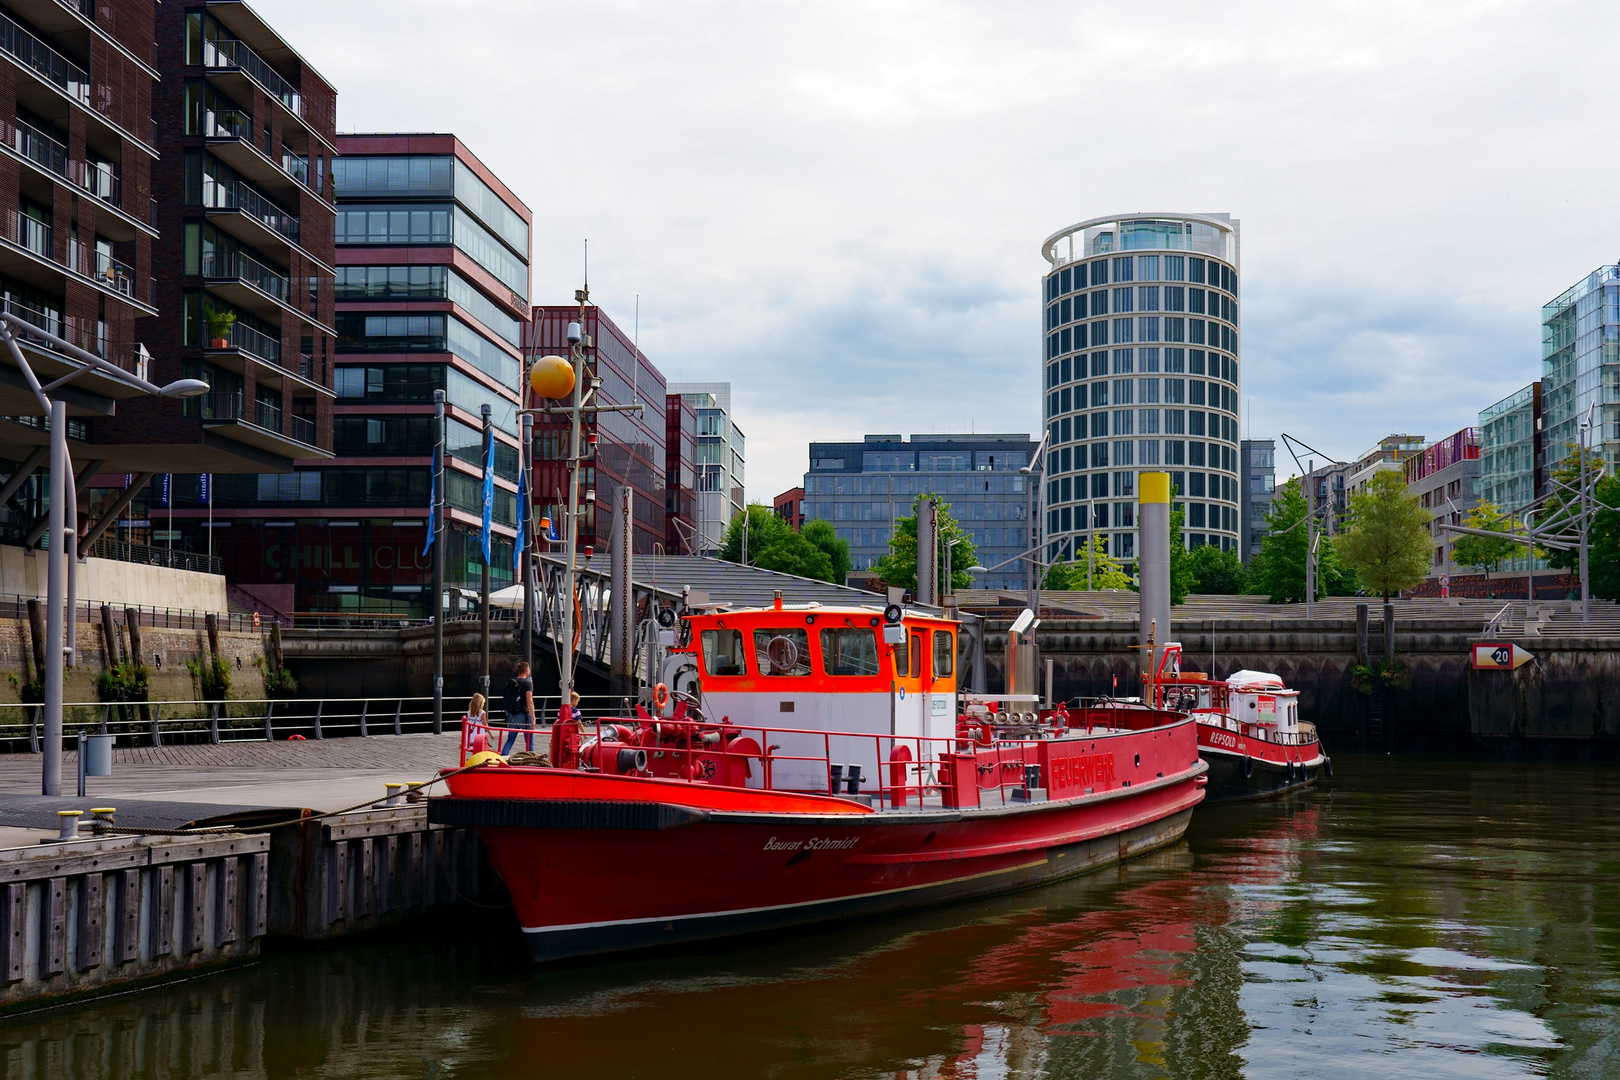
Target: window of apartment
[1124, 391]
[1175, 422]
[1147, 329]
[1147, 421]
[1099, 272]
[1147, 268]
[1099, 394]
[1099, 455]
[1122, 272]
[1124, 300]
[1099, 365]
[1147, 298]
[1195, 269]
[1175, 268]
[1175, 298]
[1124, 422]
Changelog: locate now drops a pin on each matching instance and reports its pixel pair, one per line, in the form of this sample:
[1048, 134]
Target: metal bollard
[396, 793]
[100, 817]
[69, 823]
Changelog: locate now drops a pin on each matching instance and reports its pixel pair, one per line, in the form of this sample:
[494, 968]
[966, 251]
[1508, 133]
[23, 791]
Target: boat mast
[576, 356]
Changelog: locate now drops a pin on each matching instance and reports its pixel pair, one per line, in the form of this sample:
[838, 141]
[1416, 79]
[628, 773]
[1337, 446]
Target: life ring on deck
[295, 738]
[660, 696]
[255, 620]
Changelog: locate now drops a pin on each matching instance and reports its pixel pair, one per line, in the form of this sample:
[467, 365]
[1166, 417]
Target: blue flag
[433, 509]
[489, 495]
[522, 516]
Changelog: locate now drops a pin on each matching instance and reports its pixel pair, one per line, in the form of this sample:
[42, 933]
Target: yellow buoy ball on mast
[552, 377]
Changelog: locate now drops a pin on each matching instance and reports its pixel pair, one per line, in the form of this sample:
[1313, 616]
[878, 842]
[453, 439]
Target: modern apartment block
[426, 240]
[863, 487]
[1445, 479]
[721, 461]
[1512, 457]
[1387, 456]
[629, 446]
[77, 157]
[1259, 460]
[1141, 371]
[680, 475]
[1580, 368]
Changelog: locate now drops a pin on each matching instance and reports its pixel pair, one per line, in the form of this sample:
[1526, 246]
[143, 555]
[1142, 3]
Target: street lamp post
[62, 488]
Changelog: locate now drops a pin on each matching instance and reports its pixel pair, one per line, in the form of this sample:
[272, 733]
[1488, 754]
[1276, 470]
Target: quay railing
[15, 606]
[282, 719]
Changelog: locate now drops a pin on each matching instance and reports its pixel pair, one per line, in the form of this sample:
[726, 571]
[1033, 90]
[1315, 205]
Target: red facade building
[789, 507]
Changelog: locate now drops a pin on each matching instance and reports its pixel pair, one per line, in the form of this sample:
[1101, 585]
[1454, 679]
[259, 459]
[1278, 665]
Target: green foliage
[1106, 571]
[773, 545]
[899, 566]
[1485, 553]
[1182, 576]
[1388, 544]
[128, 681]
[213, 675]
[824, 536]
[219, 322]
[1279, 571]
[1603, 560]
[1217, 572]
[30, 689]
[280, 683]
[1392, 674]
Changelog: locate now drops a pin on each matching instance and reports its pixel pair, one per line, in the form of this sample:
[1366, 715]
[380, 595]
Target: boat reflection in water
[1420, 920]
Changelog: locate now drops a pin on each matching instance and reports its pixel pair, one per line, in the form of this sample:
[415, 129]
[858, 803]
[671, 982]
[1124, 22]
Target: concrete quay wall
[1571, 691]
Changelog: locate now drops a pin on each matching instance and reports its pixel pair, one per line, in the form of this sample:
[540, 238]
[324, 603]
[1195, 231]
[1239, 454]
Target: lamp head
[184, 388]
[977, 569]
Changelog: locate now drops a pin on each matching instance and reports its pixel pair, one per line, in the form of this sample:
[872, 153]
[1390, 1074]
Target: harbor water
[1409, 918]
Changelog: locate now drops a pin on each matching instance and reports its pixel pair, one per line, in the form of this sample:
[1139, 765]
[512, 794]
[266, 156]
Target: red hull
[598, 864]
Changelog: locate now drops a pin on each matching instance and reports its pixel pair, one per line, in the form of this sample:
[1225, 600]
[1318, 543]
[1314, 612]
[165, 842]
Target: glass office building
[1580, 368]
[862, 487]
[1141, 372]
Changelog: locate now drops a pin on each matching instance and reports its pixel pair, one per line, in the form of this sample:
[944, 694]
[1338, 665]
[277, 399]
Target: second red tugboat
[1249, 730]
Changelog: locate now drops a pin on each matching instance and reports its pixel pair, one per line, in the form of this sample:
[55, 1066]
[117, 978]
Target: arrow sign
[1500, 657]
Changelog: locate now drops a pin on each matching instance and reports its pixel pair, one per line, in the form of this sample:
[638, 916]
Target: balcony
[37, 147]
[102, 268]
[230, 138]
[229, 57]
[29, 253]
[249, 216]
[247, 283]
[44, 61]
[245, 339]
[263, 427]
[91, 393]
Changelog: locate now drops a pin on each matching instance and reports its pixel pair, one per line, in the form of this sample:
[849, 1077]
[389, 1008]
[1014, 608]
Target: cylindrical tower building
[1140, 373]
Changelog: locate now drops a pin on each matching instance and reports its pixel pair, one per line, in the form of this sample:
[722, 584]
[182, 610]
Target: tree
[899, 566]
[1388, 543]
[761, 526]
[1217, 571]
[825, 537]
[1106, 571]
[1278, 572]
[1485, 553]
[1604, 557]
[773, 545]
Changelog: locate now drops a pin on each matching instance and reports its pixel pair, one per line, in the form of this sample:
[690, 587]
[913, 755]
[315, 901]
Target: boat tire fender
[1248, 766]
[1327, 766]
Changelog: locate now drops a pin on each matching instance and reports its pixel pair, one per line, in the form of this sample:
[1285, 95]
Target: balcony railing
[236, 54]
[227, 124]
[267, 416]
[252, 341]
[239, 266]
[38, 147]
[98, 178]
[102, 267]
[237, 195]
[87, 8]
[301, 429]
[30, 233]
[215, 406]
[295, 167]
[51, 65]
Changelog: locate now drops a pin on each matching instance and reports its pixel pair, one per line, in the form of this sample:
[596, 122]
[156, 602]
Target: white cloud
[838, 206]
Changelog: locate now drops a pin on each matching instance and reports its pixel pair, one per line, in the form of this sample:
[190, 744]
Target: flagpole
[436, 538]
[526, 526]
[489, 490]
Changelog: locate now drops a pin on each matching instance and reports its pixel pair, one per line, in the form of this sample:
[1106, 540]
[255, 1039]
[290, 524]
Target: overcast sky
[839, 207]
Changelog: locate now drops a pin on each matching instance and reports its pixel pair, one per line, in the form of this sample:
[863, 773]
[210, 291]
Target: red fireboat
[811, 763]
[1249, 730]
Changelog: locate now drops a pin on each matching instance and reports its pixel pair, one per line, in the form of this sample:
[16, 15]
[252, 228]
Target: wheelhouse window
[944, 654]
[850, 652]
[723, 653]
[783, 651]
